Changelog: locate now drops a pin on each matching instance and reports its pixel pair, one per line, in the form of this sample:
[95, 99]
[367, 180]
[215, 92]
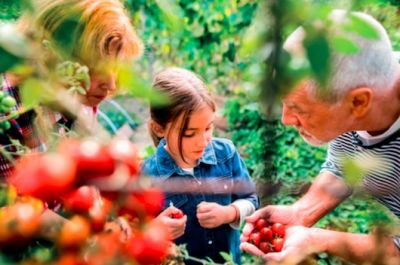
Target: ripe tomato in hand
[255, 238]
[178, 214]
[266, 234]
[45, 176]
[265, 247]
[277, 244]
[278, 229]
[261, 223]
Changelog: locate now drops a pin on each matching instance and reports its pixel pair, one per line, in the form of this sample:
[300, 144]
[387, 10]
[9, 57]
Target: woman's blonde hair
[102, 29]
[186, 93]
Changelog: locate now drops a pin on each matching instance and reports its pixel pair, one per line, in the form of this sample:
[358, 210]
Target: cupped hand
[284, 214]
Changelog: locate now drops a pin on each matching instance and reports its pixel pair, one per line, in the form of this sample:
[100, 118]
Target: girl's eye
[188, 135]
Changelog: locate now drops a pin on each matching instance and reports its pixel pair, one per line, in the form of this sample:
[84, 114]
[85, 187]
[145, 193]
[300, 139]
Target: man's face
[101, 85]
[318, 122]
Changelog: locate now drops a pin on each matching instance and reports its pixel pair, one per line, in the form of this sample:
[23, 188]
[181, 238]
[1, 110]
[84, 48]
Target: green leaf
[344, 45]
[362, 27]
[318, 54]
[32, 91]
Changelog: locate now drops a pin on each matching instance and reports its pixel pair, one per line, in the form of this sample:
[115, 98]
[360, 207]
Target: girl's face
[194, 139]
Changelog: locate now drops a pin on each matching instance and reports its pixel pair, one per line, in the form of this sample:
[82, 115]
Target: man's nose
[288, 118]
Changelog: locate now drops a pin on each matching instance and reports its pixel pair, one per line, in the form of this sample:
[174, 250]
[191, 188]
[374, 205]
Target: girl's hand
[211, 214]
[176, 226]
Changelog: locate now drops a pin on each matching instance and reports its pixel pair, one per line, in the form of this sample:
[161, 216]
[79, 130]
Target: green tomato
[8, 102]
[5, 125]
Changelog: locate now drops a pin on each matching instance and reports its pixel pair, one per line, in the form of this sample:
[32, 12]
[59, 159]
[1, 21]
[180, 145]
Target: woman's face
[101, 86]
[194, 139]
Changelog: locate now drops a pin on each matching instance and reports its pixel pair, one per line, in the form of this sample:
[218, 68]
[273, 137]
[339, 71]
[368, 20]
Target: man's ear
[156, 128]
[360, 100]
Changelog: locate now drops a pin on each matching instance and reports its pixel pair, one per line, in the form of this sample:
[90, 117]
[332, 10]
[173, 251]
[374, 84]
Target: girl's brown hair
[186, 93]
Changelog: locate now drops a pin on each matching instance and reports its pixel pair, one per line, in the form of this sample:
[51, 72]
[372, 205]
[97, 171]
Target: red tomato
[150, 246]
[265, 247]
[278, 229]
[266, 234]
[277, 244]
[126, 152]
[69, 258]
[45, 176]
[74, 232]
[141, 203]
[81, 199]
[93, 160]
[18, 223]
[178, 214]
[255, 238]
[104, 249]
[261, 223]
[98, 214]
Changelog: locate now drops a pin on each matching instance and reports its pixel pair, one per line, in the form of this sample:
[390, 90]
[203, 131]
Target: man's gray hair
[374, 65]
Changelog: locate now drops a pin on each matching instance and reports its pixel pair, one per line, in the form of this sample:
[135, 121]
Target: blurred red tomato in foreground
[92, 159]
[150, 245]
[45, 176]
[19, 223]
[81, 199]
[143, 203]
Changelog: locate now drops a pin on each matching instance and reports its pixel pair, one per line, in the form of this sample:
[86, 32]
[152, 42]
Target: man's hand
[274, 214]
[176, 226]
[300, 243]
[211, 214]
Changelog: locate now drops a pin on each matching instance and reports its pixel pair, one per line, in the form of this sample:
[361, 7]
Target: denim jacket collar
[167, 166]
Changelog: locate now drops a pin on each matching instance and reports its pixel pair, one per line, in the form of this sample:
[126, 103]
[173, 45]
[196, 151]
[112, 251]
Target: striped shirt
[382, 181]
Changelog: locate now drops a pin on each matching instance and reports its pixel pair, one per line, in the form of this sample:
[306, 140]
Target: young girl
[209, 170]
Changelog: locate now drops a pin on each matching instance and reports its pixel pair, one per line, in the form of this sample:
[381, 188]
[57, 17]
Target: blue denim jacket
[220, 165]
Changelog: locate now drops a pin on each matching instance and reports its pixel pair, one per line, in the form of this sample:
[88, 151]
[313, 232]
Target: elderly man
[358, 113]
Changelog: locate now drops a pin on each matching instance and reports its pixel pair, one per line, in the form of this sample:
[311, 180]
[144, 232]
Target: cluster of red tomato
[88, 181]
[268, 237]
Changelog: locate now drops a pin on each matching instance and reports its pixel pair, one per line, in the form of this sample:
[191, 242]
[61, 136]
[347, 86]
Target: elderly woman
[97, 33]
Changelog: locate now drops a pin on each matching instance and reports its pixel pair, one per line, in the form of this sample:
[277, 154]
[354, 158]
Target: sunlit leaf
[32, 92]
[172, 13]
[12, 41]
[362, 27]
[344, 45]
[138, 87]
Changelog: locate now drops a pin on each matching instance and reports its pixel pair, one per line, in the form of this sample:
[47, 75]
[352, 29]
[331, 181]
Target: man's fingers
[287, 256]
[251, 249]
